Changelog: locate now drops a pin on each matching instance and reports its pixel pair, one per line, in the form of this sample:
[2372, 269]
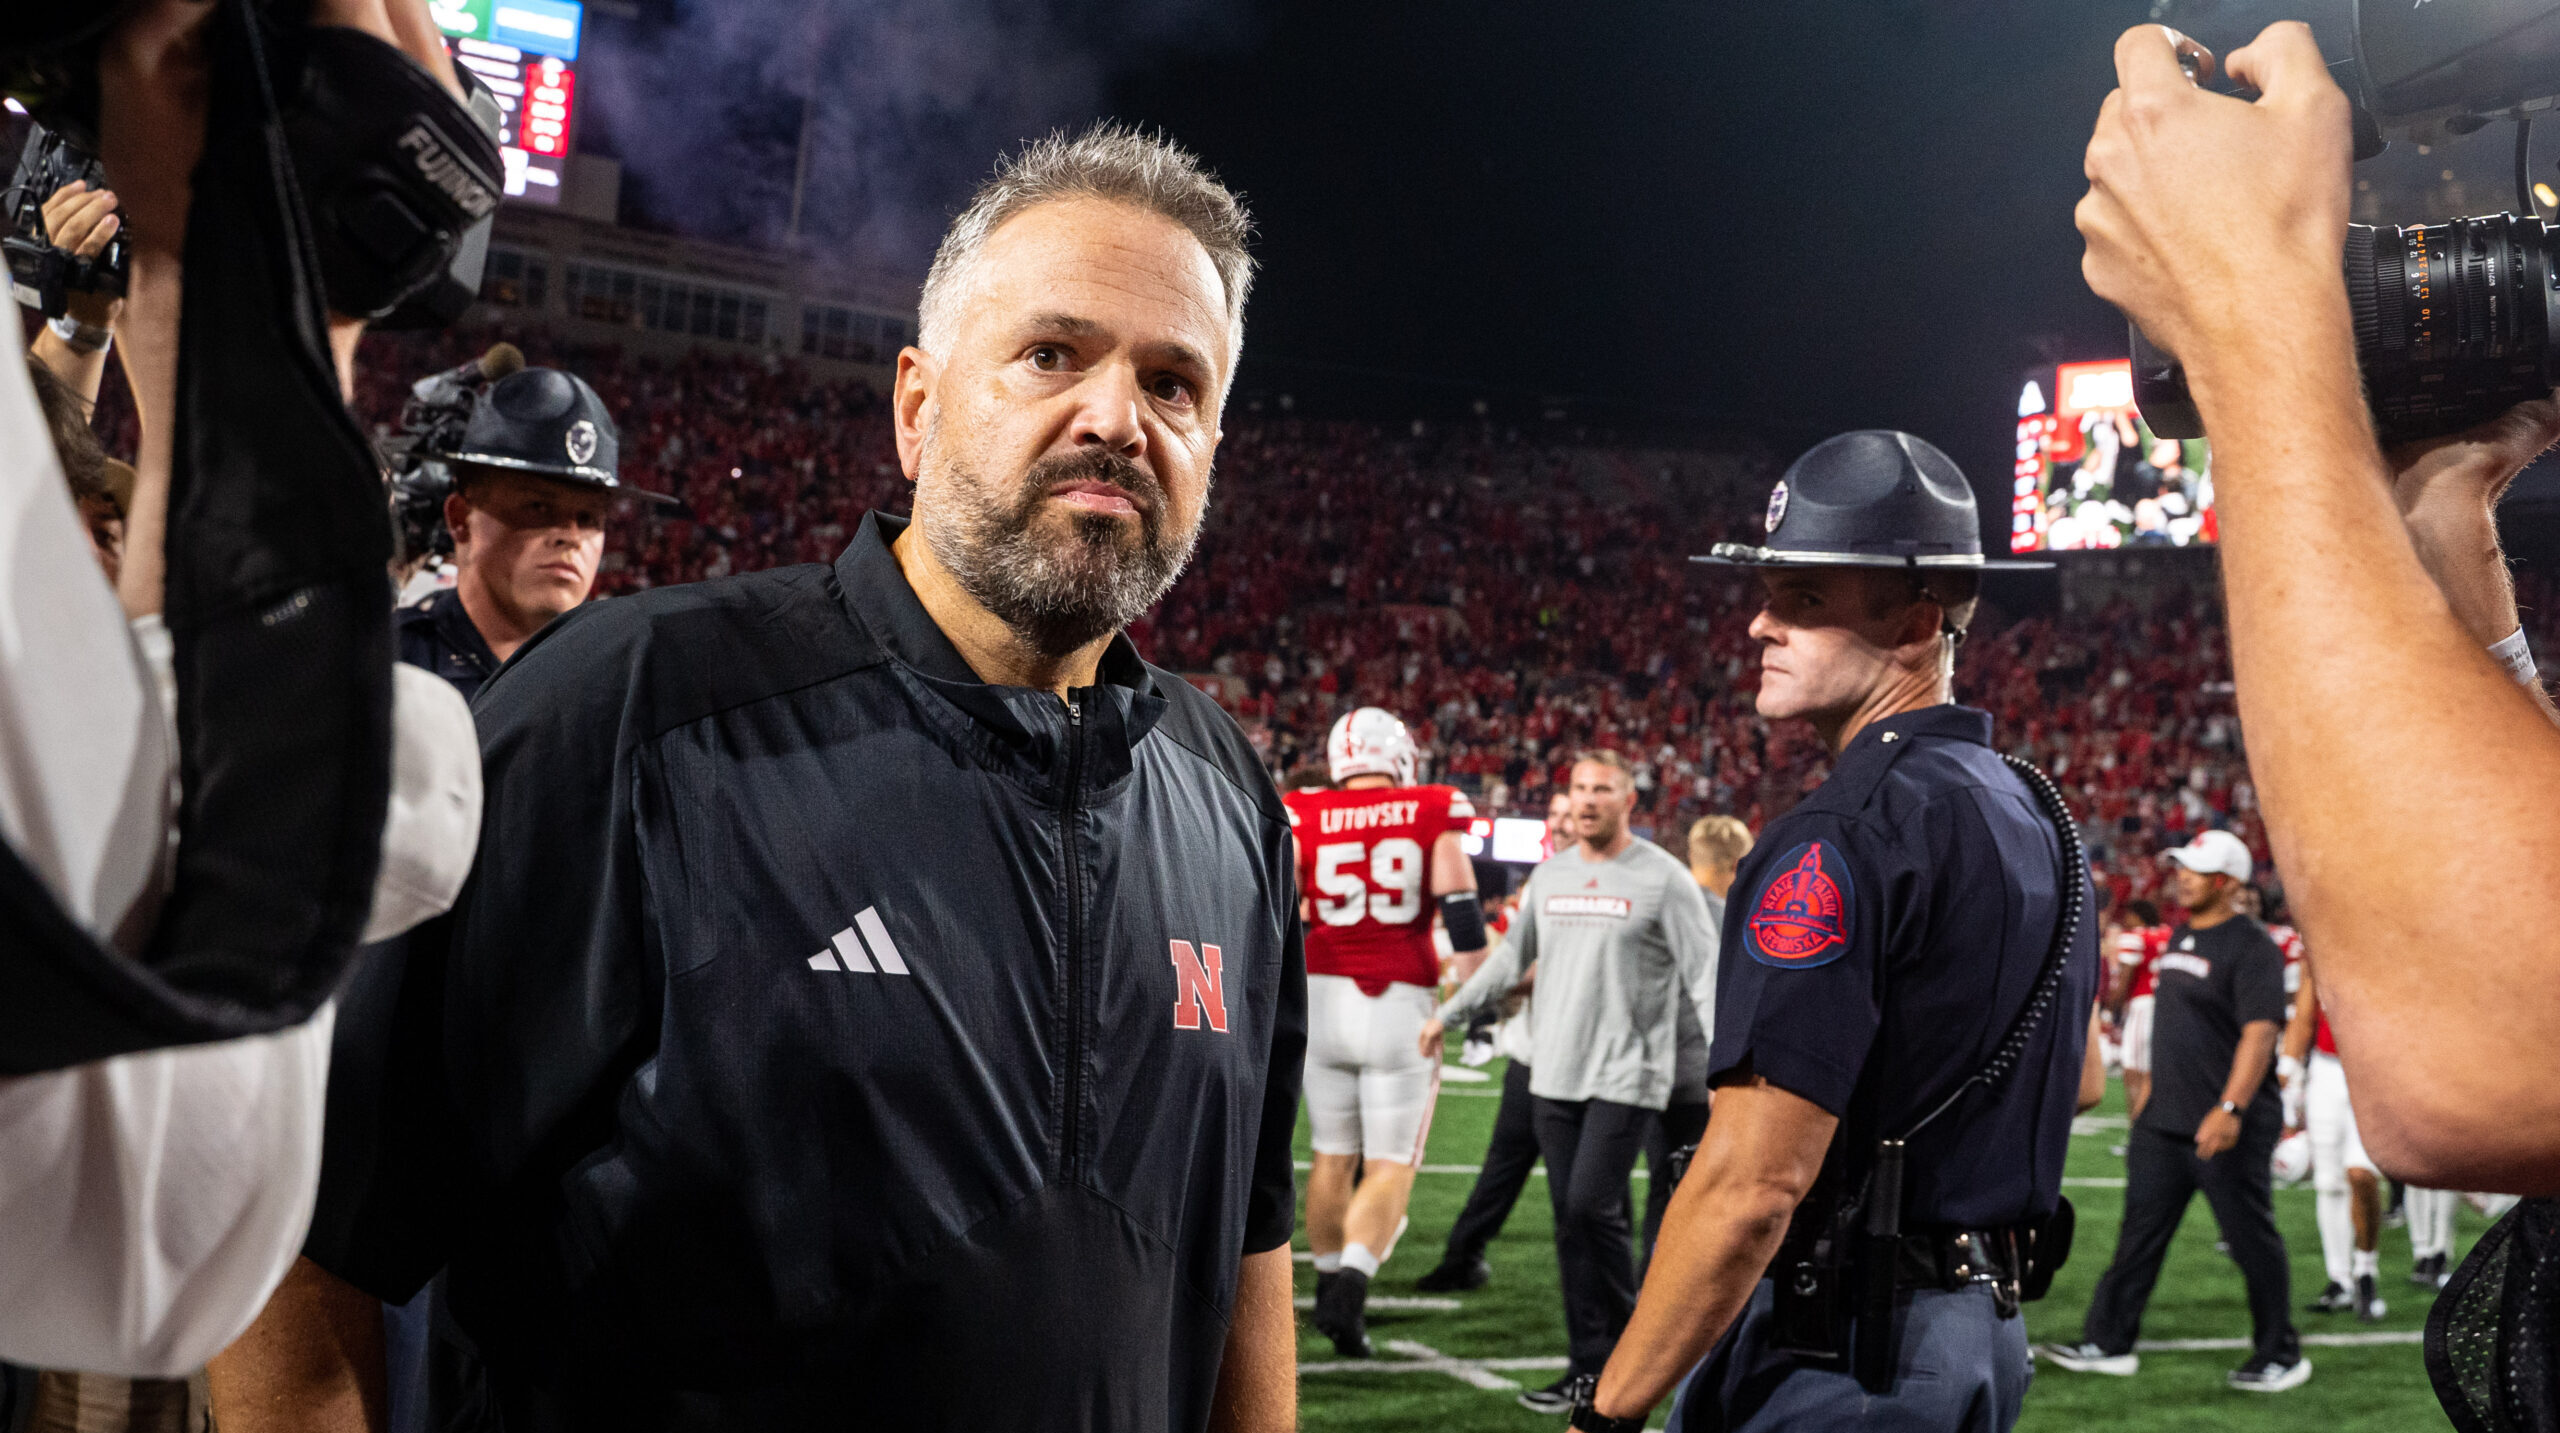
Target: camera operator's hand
[83, 221]
[2448, 489]
[2215, 222]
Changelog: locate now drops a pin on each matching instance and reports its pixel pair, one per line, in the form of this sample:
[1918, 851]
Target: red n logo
[1198, 981]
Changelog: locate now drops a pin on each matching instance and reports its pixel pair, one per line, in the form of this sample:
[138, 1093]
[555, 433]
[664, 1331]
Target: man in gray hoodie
[1626, 985]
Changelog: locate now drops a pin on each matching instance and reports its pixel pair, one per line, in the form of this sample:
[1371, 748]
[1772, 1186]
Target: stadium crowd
[1461, 576]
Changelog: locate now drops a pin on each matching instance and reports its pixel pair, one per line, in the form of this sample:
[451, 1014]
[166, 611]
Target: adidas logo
[845, 943]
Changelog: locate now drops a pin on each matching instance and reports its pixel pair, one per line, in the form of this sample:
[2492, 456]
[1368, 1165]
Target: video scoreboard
[2091, 475]
[527, 51]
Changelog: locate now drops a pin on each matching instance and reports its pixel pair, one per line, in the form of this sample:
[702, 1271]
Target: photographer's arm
[2409, 786]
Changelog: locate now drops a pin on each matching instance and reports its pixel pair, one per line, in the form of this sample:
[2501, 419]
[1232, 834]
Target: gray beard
[1059, 593]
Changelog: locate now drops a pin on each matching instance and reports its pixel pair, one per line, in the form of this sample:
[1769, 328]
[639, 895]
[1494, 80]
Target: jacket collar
[887, 606]
[1944, 722]
[1018, 725]
[452, 622]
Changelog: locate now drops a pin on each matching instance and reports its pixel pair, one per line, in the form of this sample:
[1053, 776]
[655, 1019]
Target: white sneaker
[2262, 1375]
[2089, 1358]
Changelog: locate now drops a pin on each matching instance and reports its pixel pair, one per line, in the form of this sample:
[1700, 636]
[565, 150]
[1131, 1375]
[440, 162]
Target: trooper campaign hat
[1873, 498]
[541, 420]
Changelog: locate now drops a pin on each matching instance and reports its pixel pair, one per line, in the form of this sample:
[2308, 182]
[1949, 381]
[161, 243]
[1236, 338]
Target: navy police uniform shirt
[435, 632]
[1882, 936]
[829, 1038]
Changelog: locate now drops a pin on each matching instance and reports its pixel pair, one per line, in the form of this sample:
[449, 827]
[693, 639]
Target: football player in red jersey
[2345, 1180]
[1372, 857]
[2137, 949]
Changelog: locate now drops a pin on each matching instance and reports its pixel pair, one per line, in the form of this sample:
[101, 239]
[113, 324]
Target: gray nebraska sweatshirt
[1627, 978]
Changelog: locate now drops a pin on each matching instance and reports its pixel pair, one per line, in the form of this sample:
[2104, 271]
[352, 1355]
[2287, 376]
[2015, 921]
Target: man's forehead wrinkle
[1062, 323]
[1029, 250]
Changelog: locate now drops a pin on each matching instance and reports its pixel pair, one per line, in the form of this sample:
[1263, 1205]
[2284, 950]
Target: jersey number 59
[1392, 892]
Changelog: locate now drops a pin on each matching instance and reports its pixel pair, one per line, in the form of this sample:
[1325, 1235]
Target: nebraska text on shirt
[1616, 907]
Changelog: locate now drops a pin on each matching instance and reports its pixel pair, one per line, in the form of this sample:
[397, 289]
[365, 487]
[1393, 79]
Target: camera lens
[2453, 321]
[2455, 324]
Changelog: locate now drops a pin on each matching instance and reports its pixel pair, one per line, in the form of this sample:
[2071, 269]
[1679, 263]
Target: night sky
[1657, 217]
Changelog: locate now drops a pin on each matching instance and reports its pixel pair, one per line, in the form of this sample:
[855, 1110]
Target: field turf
[1510, 1335]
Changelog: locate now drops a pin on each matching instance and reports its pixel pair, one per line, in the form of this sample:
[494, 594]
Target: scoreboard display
[527, 51]
[2091, 475]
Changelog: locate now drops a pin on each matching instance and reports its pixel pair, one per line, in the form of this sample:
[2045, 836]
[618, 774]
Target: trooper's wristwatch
[2230, 1108]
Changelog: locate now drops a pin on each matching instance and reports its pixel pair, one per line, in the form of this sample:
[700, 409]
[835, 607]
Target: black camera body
[42, 274]
[2457, 321]
[416, 459]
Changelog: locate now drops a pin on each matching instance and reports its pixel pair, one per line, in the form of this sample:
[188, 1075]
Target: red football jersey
[1364, 866]
[2155, 943]
[2289, 941]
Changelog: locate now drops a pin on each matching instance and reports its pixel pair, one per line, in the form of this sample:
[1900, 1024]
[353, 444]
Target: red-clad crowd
[1511, 597]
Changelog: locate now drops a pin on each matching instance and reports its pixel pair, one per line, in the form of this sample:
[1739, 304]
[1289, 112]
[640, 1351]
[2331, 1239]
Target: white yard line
[2309, 1340]
[1419, 1303]
[1486, 1373]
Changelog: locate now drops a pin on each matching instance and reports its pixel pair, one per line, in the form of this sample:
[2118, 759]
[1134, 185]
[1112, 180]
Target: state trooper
[1901, 1009]
[534, 477]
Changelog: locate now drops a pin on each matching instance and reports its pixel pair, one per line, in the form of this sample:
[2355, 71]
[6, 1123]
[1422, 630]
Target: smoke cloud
[909, 103]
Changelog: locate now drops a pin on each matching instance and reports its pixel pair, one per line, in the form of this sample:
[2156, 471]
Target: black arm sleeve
[1463, 914]
[482, 1054]
[1271, 1209]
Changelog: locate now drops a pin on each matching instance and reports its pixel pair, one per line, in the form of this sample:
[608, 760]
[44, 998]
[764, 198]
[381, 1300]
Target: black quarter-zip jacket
[829, 1039]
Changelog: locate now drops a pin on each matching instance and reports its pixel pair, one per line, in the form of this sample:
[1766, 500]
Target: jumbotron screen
[527, 50]
[2091, 475]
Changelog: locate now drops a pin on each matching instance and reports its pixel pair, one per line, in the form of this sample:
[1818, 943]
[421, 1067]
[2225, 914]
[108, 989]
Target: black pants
[2162, 1175]
[1590, 1148]
[1676, 1126]
[1508, 1159]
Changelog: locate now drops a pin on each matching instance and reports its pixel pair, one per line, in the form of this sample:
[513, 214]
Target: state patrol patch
[1801, 917]
[581, 442]
[1777, 507]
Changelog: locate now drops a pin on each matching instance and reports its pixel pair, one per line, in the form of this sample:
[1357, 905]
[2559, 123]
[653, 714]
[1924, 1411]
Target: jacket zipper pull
[1075, 712]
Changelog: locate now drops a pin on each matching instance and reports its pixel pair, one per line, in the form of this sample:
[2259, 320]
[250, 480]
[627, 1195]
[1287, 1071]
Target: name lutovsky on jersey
[1364, 866]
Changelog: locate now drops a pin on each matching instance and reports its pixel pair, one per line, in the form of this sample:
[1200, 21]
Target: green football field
[1456, 1362]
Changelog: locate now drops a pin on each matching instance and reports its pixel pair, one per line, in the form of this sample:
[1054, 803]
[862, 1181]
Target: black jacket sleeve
[1271, 1210]
[482, 1052]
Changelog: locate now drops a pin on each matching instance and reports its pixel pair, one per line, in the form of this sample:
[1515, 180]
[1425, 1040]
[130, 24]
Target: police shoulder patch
[1800, 918]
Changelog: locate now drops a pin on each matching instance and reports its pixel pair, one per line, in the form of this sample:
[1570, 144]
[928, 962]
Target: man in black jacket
[879, 1001]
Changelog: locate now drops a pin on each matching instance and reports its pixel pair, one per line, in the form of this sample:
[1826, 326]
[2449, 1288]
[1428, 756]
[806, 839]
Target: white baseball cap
[2215, 853]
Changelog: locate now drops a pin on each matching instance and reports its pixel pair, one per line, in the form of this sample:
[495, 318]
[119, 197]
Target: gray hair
[1109, 161]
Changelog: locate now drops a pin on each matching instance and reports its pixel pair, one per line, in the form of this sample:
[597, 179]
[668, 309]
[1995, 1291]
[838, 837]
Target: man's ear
[910, 394]
[1923, 622]
[457, 516]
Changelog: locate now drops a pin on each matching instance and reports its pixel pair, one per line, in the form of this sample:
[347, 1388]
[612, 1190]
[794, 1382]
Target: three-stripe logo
[845, 943]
